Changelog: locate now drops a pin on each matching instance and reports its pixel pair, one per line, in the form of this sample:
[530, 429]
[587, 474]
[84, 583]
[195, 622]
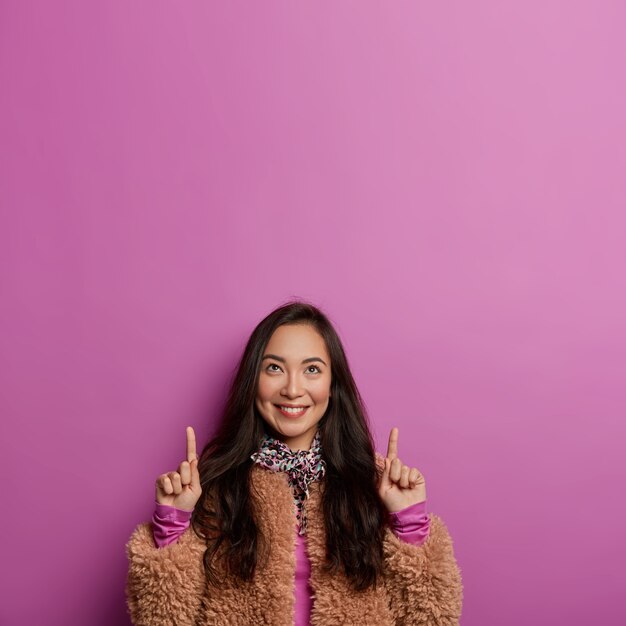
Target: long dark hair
[354, 515]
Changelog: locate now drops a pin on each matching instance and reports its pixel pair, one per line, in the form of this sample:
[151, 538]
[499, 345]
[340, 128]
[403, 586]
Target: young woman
[289, 516]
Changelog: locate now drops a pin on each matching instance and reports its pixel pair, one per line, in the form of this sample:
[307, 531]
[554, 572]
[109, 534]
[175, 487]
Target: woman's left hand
[399, 485]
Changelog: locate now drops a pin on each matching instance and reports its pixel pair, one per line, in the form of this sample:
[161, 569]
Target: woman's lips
[293, 414]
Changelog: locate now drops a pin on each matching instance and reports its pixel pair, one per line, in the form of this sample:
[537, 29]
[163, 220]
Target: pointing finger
[392, 447]
[184, 469]
[195, 476]
[395, 470]
[191, 444]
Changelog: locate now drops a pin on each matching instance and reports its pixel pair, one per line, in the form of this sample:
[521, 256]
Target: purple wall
[447, 180]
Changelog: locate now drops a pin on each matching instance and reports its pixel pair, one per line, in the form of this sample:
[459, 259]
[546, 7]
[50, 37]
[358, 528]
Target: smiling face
[295, 372]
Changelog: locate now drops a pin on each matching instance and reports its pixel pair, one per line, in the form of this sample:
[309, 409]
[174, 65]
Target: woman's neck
[302, 441]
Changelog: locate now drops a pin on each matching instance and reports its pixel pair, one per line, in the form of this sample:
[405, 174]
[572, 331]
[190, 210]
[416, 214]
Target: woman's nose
[293, 388]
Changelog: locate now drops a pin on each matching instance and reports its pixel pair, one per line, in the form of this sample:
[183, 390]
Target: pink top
[411, 525]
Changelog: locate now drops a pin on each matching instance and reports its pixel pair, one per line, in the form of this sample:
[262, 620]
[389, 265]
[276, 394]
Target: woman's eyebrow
[280, 358]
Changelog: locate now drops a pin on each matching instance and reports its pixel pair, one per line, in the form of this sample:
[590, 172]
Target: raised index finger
[191, 444]
[392, 447]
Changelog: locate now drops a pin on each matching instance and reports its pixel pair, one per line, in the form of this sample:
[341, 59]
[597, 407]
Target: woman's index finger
[191, 444]
[392, 446]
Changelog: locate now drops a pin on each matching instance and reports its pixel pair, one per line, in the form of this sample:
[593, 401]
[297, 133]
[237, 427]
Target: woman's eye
[314, 367]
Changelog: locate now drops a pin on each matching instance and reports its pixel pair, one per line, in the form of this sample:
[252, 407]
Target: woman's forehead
[293, 341]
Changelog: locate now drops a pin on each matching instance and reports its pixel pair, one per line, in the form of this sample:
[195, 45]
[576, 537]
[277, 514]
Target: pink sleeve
[168, 523]
[411, 524]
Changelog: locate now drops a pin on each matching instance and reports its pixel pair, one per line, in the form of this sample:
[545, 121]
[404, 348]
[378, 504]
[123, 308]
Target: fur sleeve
[423, 582]
[164, 585]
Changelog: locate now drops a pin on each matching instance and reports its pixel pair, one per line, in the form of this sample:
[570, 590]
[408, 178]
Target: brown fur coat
[166, 586]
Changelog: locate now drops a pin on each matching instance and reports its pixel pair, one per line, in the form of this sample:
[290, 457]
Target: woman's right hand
[181, 489]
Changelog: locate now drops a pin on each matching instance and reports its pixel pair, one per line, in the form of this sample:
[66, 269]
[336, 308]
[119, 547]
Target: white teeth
[293, 410]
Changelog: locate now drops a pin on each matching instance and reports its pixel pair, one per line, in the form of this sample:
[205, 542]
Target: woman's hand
[400, 486]
[181, 489]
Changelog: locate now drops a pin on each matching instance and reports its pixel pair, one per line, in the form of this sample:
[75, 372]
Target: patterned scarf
[301, 466]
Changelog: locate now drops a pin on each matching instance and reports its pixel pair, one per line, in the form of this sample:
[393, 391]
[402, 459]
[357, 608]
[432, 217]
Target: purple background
[446, 180]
